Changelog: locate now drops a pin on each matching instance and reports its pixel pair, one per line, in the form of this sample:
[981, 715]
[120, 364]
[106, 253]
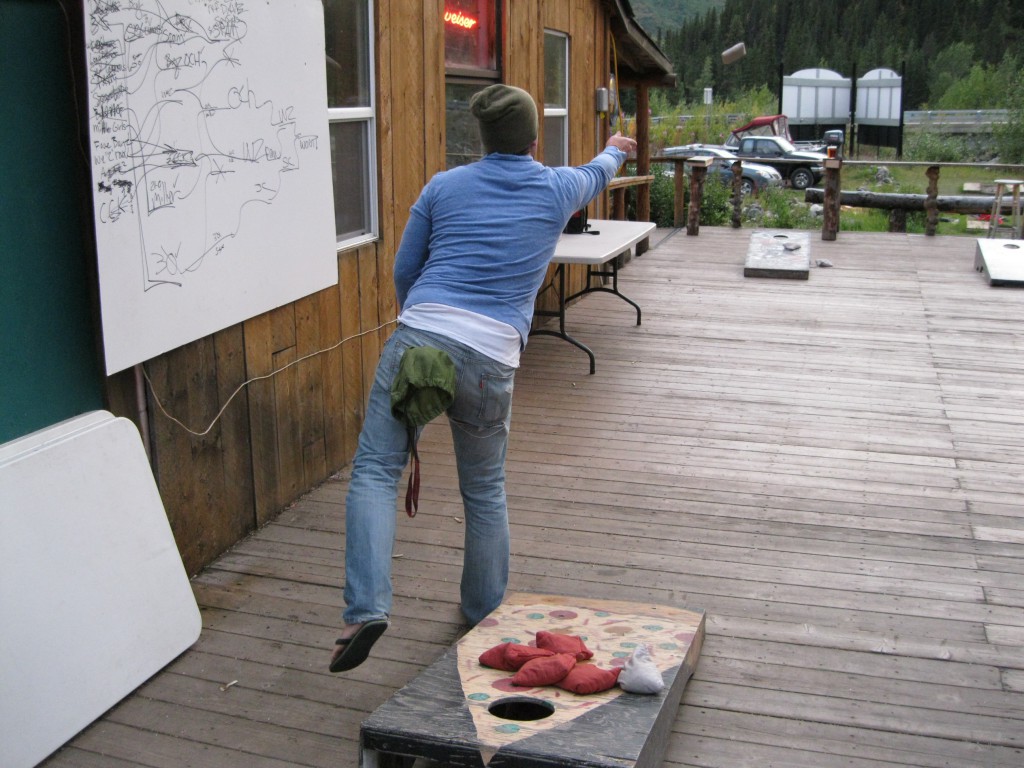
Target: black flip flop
[357, 648]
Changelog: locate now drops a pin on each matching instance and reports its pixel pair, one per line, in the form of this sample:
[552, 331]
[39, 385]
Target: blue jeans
[479, 420]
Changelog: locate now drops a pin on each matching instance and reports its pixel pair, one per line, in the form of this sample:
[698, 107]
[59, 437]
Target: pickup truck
[800, 168]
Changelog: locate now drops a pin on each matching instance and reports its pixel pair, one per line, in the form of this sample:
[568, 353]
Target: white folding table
[597, 248]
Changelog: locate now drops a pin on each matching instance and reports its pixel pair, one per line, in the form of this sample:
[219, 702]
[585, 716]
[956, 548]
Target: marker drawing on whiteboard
[181, 142]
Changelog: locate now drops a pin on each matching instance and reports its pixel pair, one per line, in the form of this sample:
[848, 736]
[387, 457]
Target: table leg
[560, 314]
[614, 275]
[1017, 224]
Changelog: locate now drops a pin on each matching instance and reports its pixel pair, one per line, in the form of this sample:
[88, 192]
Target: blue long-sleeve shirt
[480, 236]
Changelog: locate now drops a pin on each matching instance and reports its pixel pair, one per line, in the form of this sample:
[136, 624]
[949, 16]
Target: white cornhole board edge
[1002, 261]
[94, 598]
[769, 255]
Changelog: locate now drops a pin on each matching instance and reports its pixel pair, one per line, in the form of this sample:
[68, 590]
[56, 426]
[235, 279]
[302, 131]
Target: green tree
[1010, 137]
[983, 87]
[977, 90]
[948, 67]
[940, 43]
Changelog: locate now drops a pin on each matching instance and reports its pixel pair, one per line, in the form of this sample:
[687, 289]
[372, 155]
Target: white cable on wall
[244, 384]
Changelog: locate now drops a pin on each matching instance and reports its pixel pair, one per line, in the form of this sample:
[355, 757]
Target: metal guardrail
[957, 116]
[933, 117]
[683, 119]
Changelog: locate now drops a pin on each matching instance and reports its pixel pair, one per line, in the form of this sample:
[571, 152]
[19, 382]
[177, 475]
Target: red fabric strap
[412, 490]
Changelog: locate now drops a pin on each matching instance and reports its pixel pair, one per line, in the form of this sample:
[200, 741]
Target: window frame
[474, 74]
[368, 116]
[562, 111]
[471, 76]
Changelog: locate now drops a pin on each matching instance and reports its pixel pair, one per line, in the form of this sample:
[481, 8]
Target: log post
[737, 194]
[898, 220]
[698, 171]
[679, 203]
[931, 203]
[643, 159]
[830, 220]
[619, 204]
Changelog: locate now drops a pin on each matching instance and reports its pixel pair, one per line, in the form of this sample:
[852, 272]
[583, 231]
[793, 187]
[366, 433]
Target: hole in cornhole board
[521, 708]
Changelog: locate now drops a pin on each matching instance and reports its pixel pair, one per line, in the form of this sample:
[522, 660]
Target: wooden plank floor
[832, 469]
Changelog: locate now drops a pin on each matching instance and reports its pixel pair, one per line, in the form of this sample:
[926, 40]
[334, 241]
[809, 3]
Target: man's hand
[624, 143]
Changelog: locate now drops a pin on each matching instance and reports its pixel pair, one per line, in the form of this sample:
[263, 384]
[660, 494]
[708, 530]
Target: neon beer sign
[459, 19]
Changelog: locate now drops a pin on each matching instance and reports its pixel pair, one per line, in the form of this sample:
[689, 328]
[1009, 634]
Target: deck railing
[898, 204]
[618, 187]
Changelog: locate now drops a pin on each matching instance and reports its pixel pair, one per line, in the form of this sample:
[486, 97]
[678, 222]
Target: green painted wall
[49, 360]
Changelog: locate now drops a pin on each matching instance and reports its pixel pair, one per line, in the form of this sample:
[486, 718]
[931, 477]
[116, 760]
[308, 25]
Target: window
[471, 37]
[471, 34]
[352, 119]
[556, 98]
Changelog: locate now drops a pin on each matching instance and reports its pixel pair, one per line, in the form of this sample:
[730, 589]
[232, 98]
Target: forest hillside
[657, 16]
[978, 44]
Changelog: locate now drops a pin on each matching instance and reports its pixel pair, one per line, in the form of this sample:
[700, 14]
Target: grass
[911, 179]
[876, 220]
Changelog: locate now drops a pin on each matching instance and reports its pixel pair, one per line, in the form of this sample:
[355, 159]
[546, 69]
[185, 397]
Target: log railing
[833, 197]
[898, 204]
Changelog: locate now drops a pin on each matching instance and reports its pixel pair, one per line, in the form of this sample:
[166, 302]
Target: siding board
[332, 370]
[309, 378]
[351, 352]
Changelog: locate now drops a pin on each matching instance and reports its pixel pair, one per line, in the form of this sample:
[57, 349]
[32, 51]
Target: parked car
[800, 168]
[754, 176]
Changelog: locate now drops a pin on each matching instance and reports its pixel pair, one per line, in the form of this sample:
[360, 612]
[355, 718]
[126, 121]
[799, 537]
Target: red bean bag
[558, 643]
[547, 670]
[511, 656]
[589, 678]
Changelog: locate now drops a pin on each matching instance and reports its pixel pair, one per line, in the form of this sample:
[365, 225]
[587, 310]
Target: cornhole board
[94, 598]
[460, 713]
[1002, 261]
[781, 253]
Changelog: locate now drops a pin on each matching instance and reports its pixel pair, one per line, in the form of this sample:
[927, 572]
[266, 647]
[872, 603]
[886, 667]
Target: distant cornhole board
[460, 712]
[785, 254]
[94, 598]
[1002, 261]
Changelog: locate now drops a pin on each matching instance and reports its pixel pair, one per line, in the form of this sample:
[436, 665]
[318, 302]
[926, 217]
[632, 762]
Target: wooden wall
[283, 434]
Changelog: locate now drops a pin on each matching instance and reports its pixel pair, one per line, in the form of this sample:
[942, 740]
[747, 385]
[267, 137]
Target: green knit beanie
[507, 116]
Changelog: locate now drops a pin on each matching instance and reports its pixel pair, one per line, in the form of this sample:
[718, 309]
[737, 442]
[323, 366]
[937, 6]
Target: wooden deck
[832, 469]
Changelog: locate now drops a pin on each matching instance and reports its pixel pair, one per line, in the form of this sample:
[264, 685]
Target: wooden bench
[618, 187]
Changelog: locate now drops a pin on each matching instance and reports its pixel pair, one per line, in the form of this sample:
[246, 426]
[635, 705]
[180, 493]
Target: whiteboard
[211, 166]
[93, 594]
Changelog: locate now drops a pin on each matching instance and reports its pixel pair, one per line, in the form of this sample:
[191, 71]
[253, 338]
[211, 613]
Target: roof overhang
[639, 60]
